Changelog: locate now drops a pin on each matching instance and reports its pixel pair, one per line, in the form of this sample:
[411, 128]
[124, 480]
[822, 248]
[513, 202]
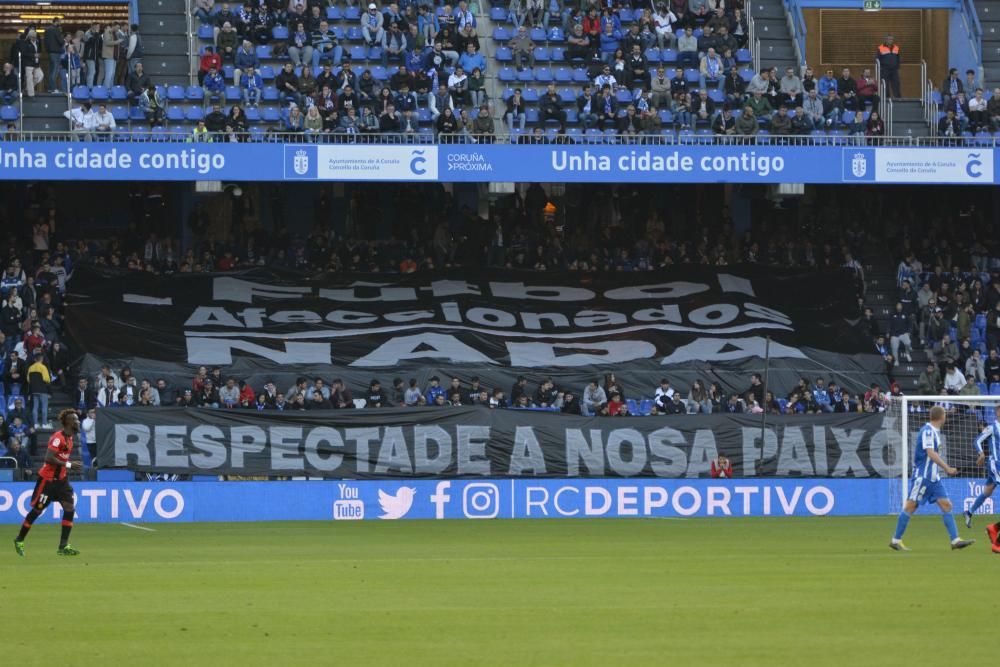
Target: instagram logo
[481, 501]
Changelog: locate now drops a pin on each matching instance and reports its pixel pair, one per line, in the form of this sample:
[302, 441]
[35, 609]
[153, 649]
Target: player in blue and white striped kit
[926, 485]
[991, 433]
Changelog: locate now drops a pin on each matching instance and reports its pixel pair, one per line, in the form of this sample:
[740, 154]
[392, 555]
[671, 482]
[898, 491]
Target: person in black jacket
[83, 397]
[92, 42]
[137, 82]
[28, 52]
[54, 45]
[550, 108]
[376, 397]
[9, 89]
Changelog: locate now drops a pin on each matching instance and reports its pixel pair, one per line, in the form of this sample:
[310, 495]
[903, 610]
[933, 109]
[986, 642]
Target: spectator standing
[54, 47]
[721, 468]
[109, 42]
[92, 52]
[28, 50]
[39, 381]
[889, 60]
[134, 49]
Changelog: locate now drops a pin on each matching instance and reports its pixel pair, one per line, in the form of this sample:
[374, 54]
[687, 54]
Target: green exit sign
[873, 5]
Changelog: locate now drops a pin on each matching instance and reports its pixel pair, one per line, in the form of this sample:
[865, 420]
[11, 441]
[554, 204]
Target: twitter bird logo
[396, 507]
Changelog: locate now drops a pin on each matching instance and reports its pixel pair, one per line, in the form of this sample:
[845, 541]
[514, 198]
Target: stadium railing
[670, 139]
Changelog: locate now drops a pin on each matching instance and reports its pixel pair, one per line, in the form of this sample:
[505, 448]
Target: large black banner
[697, 320]
[473, 441]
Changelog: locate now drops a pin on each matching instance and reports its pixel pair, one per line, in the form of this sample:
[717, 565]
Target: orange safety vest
[883, 49]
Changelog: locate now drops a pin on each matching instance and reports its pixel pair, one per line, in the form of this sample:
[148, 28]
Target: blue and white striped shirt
[991, 433]
[923, 466]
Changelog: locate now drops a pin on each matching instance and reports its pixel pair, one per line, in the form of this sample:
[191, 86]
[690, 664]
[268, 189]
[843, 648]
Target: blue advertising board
[476, 163]
[153, 502]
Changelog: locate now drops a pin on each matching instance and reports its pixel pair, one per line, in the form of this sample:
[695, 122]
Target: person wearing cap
[209, 395]
[371, 27]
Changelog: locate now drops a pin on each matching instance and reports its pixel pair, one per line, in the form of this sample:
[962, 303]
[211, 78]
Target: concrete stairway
[908, 119]
[44, 113]
[163, 26]
[989, 17]
[776, 46]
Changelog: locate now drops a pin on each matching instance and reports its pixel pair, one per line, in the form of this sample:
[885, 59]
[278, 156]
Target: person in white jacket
[81, 122]
[593, 398]
[104, 122]
[664, 21]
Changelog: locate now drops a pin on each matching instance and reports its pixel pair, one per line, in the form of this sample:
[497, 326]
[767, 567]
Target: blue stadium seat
[746, 74]
[692, 76]
[572, 115]
[531, 115]
[269, 94]
[557, 54]
[266, 72]
[119, 94]
[195, 93]
[743, 56]
[264, 51]
[501, 34]
[556, 35]
[175, 93]
[782, 404]
[81, 93]
[136, 114]
[256, 134]
[537, 35]
[233, 93]
[252, 114]
[633, 406]
[716, 95]
[995, 389]
[504, 55]
[333, 13]
[354, 33]
[498, 14]
[98, 93]
[352, 13]
[375, 53]
[270, 115]
[175, 113]
[543, 75]
[279, 32]
[424, 115]
[205, 31]
[563, 75]
[626, 15]
[668, 56]
[526, 75]
[646, 406]
[623, 96]
[530, 95]
[194, 113]
[119, 113]
[8, 113]
[580, 75]
[358, 53]
[982, 388]
[507, 75]
[379, 73]
[567, 95]
[666, 117]
[653, 56]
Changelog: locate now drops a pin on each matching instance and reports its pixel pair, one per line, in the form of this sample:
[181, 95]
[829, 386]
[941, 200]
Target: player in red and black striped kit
[53, 484]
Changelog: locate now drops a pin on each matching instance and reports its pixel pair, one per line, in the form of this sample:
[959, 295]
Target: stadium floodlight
[967, 417]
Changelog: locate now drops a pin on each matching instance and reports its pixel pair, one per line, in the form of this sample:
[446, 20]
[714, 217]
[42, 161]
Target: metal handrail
[192, 56]
[797, 28]
[20, 94]
[10, 458]
[974, 30]
[887, 119]
[503, 138]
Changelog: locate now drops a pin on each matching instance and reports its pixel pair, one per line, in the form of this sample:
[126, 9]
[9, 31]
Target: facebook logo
[300, 162]
[859, 164]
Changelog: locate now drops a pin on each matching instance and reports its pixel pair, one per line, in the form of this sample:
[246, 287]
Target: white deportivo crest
[301, 162]
[859, 165]
[396, 507]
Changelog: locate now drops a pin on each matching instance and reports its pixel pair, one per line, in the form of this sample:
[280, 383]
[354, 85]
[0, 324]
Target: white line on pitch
[132, 525]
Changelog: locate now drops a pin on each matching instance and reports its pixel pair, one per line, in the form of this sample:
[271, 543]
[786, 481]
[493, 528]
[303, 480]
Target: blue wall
[461, 499]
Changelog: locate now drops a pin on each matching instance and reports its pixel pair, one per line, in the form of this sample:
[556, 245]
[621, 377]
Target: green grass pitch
[768, 591]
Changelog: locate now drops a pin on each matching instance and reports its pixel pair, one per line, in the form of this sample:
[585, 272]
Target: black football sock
[26, 525]
[67, 526]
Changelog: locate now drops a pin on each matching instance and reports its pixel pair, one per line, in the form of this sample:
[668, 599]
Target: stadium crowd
[677, 66]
